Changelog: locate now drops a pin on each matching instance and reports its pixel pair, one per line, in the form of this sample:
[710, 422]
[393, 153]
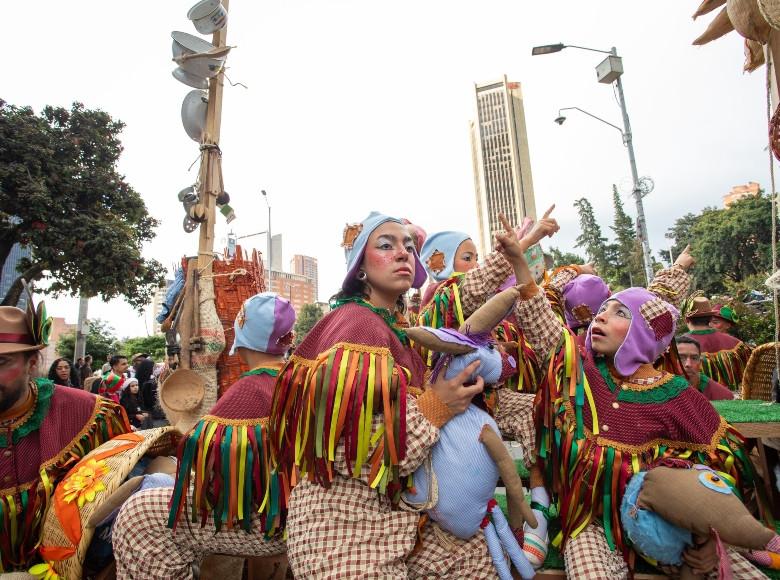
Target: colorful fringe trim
[726, 366]
[22, 509]
[317, 403]
[527, 378]
[232, 479]
[588, 478]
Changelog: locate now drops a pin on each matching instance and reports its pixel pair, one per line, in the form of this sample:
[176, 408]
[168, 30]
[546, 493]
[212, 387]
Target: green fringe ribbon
[340, 396]
[232, 476]
[726, 366]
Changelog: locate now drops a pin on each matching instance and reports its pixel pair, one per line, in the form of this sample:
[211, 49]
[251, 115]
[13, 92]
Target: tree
[561, 258]
[61, 196]
[626, 251]
[590, 238]
[682, 234]
[153, 345]
[307, 318]
[101, 343]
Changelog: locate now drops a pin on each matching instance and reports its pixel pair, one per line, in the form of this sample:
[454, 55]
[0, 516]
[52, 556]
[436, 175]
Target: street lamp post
[608, 71]
[270, 245]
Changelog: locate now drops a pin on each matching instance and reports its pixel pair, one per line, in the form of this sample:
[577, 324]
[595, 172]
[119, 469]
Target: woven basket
[230, 292]
[757, 380]
[747, 19]
[770, 10]
[150, 442]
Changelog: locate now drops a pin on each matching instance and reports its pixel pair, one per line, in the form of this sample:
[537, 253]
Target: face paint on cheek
[11, 373]
[379, 260]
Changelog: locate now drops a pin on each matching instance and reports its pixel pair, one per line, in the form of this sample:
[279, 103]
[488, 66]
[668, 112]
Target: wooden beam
[213, 170]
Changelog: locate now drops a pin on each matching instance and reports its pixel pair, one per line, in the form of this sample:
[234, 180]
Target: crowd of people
[319, 454]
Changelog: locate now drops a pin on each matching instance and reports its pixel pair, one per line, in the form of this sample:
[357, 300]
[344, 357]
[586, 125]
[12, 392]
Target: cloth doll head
[582, 298]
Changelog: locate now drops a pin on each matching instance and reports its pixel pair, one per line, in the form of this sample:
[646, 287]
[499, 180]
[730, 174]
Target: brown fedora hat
[700, 307]
[15, 334]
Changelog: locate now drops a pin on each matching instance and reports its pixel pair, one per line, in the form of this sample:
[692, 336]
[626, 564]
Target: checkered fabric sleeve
[483, 282]
[671, 284]
[514, 416]
[563, 276]
[145, 548]
[535, 316]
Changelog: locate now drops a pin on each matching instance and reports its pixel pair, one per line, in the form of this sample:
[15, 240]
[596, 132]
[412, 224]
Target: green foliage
[307, 318]
[756, 321]
[61, 195]
[153, 345]
[627, 268]
[730, 245]
[561, 258]
[590, 238]
[101, 343]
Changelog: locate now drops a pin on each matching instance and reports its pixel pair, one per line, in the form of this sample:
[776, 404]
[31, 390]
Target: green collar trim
[40, 410]
[700, 332]
[261, 371]
[383, 313]
[703, 380]
[661, 394]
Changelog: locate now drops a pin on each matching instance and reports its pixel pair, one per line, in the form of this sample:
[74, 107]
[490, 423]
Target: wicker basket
[230, 292]
[770, 10]
[66, 522]
[757, 380]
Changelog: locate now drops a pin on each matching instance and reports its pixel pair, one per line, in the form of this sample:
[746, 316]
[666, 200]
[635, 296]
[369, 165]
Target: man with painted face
[352, 418]
[44, 431]
[604, 413]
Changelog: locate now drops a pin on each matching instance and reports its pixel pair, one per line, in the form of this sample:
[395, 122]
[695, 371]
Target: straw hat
[770, 10]
[66, 532]
[181, 395]
[15, 331]
[700, 307]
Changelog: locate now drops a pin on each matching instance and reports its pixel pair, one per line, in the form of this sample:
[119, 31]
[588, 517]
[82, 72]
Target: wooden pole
[213, 170]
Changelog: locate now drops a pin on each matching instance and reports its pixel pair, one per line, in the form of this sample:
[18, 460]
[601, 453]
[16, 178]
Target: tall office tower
[10, 273]
[276, 252]
[502, 165]
[305, 266]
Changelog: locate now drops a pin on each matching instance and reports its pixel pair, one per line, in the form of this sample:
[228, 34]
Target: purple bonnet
[582, 298]
[653, 323]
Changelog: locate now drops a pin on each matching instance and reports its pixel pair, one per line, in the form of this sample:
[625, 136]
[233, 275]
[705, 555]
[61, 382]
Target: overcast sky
[356, 105]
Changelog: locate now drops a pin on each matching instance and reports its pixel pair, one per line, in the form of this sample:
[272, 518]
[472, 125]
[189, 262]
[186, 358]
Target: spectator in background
[132, 402]
[62, 373]
[86, 370]
[690, 357]
[147, 383]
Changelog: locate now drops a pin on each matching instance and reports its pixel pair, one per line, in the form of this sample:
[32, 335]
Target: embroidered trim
[700, 332]
[44, 389]
[272, 372]
[666, 388]
[383, 313]
[262, 421]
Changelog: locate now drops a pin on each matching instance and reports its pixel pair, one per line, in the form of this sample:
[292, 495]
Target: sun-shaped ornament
[351, 232]
[85, 483]
[582, 313]
[436, 262]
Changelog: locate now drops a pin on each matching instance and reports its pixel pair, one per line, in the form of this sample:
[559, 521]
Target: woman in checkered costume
[352, 418]
[604, 413]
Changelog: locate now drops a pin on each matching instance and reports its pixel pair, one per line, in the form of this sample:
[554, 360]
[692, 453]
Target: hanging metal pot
[193, 114]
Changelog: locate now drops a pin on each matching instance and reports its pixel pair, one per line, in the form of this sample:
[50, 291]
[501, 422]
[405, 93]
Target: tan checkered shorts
[348, 531]
[145, 548]
[514, 416]
[588, 556]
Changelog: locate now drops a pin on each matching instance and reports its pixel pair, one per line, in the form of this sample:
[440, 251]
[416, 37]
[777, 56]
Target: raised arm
[673, 284]
[541, 327]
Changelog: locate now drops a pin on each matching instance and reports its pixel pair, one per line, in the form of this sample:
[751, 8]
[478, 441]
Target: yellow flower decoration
[84, 483]
[44, 571]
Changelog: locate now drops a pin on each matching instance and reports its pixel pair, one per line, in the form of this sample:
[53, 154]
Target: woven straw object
[238, 279]
[757, 380]
[707, 6]
[747, 19]
[119, 456]
[754, 55]
[770, 10]
[719, 26]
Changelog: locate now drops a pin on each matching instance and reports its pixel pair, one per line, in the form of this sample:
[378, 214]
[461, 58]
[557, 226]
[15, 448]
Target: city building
[306, 266]
[11, 273]
[751, 189]
[157, 301]
[324, 306]
[298, 289]
[276, 252]
[50, 354]
[500, 158]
